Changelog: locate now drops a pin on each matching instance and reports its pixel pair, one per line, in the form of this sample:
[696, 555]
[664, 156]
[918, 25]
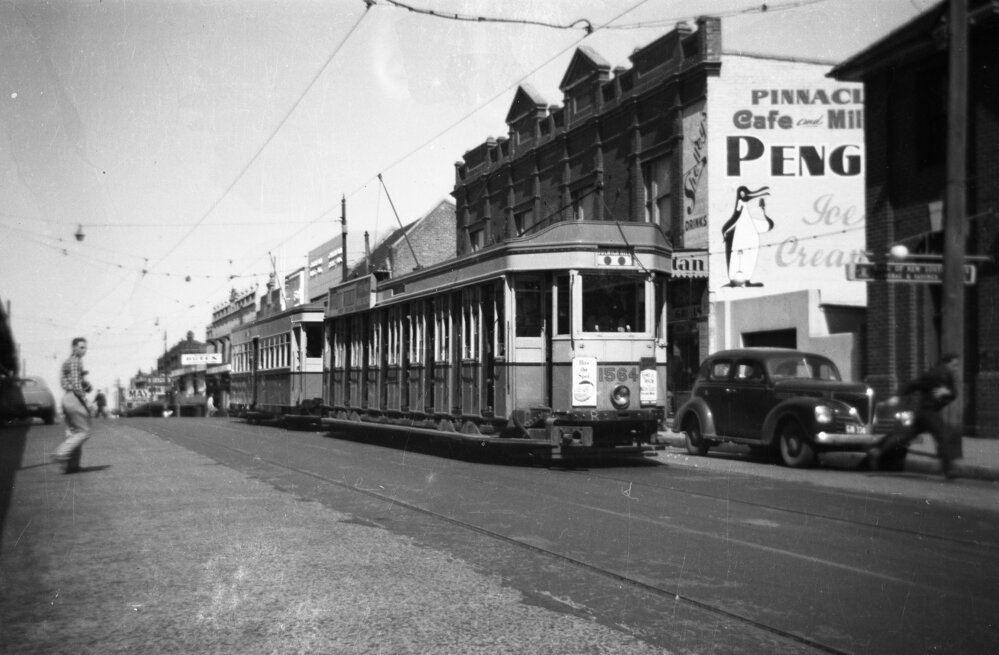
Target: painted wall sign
[787, 196]
[695, 180]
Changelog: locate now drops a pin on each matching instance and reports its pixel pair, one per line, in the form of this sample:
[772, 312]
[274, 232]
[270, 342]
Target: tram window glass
[442, 329]
[470, 324]
[416, 331]
[563, 305]
[356, 342]
[393, 355]
[314, 340]
[613, 303]
[499, 322]
[375, 340]
[339, 346]
[529, 308]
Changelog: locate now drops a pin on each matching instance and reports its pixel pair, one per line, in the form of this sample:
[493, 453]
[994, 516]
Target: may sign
[193, 359]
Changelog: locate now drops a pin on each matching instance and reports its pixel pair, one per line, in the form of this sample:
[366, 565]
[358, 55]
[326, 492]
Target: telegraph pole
[955, 208]
[343, 232]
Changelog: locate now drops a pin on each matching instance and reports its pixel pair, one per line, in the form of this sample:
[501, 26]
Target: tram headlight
[621, 397]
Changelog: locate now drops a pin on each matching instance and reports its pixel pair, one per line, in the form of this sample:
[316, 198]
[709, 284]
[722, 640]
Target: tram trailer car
[277, 364]
[553, 343]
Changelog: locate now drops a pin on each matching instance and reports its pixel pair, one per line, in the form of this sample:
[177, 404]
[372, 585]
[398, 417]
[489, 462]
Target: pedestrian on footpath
[935, 389]
[74, 407]
[101, 401]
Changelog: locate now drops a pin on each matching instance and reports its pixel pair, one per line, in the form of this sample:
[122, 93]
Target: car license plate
[854, 429]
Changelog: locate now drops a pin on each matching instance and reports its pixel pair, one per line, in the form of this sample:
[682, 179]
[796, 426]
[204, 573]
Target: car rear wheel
[795, 449]
[695, 441]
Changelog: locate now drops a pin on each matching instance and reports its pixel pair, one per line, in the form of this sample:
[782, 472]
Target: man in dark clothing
[936, 389]
[101, 401]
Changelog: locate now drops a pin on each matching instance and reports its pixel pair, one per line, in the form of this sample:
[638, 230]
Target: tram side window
[470, 320]
[314, 340]
[417, 329]
[613, 303]
[529, 308]
[563, 305]
[394, 345]
[442, 329]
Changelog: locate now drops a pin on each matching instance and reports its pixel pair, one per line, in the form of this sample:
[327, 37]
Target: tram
[552, 342]
[277, 364]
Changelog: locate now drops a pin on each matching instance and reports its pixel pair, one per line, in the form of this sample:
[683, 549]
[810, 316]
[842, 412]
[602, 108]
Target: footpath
[980, 460]
[156, 549]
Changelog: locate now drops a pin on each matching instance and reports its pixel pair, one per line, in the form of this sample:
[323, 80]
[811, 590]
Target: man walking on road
[74, 407]
[936, 390]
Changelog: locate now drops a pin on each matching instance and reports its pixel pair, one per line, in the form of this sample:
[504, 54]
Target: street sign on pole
[908, 272]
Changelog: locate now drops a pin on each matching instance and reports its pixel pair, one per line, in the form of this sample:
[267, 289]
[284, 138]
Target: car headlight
[905, 418]
[823, 414]
[621, 397]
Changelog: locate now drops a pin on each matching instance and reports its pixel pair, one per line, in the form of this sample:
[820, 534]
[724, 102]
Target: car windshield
[802, 367]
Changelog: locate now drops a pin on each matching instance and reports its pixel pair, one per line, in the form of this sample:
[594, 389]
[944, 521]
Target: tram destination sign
[907, 272]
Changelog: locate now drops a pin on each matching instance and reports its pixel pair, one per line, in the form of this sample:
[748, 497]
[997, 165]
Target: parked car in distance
[27, 397]
[787, 402]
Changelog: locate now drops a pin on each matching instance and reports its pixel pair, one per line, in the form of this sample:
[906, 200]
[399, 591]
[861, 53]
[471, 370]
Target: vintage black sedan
[25, 398]
[775, 400]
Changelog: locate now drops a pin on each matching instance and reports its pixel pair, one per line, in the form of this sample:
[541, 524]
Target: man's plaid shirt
[72, 375]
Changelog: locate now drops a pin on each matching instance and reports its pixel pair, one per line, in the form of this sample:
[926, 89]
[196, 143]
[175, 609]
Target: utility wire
[274, 132]
[579, 23]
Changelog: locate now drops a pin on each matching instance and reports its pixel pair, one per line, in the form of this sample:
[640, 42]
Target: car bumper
[847, 440]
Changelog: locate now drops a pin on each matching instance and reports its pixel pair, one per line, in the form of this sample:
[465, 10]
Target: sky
[197, 145]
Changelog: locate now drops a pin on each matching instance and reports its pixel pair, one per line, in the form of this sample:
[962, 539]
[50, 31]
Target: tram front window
[613, 303]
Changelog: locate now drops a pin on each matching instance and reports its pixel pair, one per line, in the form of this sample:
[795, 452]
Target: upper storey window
[656, 177]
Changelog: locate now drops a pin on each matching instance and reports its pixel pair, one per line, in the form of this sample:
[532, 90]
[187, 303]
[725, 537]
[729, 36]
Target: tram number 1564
[618, 373]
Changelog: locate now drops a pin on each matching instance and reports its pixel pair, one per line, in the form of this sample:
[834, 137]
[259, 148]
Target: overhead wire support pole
[955, 208]
[405, 234]
[343, 235]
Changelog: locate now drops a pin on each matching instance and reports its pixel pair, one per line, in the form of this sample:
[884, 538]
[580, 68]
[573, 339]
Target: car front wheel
[695, 441]
[795, 449]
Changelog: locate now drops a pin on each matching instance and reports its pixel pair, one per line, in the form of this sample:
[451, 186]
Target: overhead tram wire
[267, 141]
[574, 25]
[493, 98]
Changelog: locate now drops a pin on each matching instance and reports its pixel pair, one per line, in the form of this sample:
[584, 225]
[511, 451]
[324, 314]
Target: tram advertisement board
[584, 381]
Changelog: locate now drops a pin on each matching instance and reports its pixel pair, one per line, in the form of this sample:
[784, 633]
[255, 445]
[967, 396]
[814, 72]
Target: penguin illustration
[742, 235]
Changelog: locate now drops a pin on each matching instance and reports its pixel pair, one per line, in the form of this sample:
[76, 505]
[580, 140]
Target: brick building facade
[905, 79]
[673, 140]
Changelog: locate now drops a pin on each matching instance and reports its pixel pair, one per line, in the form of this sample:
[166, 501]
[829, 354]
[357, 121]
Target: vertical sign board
[584, 381]
[695, 179]
[786, 202]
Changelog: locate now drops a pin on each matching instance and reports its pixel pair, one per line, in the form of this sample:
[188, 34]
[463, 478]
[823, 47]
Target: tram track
[769, 507]
[258, 458]
[668, 595]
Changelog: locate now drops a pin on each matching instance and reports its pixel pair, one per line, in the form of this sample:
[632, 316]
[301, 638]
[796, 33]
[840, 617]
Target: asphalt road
[688, 554]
